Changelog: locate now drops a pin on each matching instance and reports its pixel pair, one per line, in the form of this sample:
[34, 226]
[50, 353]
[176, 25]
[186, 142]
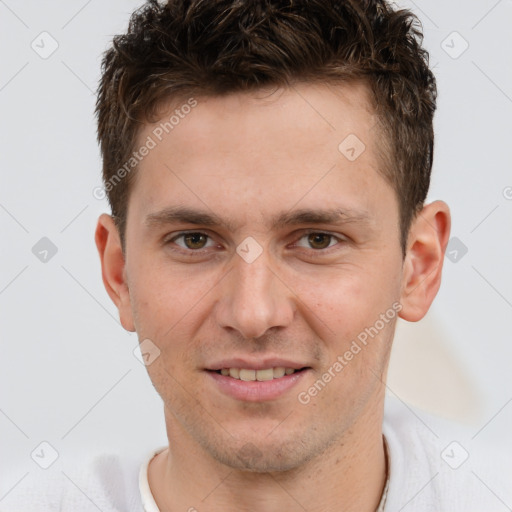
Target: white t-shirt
[435, 466]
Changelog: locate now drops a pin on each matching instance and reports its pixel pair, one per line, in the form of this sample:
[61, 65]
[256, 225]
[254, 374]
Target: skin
[248, 158]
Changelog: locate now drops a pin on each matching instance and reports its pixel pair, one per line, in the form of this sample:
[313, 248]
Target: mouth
[257, 385]
[265, 374]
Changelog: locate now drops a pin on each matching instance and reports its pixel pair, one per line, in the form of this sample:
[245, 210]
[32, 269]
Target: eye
[192, 240]
[318, 241]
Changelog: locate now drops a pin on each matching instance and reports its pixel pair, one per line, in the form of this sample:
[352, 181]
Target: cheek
[341, 301]
[163, 295]
[347, 304]
[169, 308]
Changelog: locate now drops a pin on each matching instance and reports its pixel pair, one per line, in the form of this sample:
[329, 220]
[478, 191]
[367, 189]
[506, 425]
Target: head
[178, 50]
[267, 166]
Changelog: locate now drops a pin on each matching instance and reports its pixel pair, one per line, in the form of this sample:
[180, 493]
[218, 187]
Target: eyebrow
[186, 215]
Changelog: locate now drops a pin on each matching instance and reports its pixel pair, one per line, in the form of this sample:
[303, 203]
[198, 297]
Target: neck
[349, 476]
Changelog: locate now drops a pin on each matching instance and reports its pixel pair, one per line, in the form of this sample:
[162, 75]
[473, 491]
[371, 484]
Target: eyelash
[191, 252]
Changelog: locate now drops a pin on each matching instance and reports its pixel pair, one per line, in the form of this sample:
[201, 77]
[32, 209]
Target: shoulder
[441, 466]
[101, 481]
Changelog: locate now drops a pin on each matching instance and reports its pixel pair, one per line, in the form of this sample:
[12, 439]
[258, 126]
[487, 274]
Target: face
[261, 241]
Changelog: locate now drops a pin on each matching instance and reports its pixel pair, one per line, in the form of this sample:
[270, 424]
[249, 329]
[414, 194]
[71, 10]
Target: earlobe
[113, 268]
[428, 238]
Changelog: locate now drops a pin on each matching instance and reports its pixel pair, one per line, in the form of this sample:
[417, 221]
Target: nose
[254, 299]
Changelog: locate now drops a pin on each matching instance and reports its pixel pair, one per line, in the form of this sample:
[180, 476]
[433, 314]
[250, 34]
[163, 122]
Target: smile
[259, 375]
[257, 385]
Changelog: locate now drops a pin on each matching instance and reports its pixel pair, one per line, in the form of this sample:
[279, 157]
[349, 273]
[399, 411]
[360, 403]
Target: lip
[256, 391]
[260, 364]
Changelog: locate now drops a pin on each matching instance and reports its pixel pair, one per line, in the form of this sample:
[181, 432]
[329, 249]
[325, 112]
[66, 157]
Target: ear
[113, 269]
[426, 245]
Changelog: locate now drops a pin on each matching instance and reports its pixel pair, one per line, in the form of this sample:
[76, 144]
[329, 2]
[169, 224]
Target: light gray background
[68, 374]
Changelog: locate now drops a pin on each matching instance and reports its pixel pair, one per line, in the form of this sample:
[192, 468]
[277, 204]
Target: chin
[251, 459]
[262, 456]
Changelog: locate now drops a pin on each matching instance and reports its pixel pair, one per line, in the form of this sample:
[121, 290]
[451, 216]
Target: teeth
[247, 374]
[259, 375]
[262, 375]
[280, 371]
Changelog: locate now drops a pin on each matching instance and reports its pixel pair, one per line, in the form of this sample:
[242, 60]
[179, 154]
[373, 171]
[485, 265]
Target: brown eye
[319, 240]
[195, 240]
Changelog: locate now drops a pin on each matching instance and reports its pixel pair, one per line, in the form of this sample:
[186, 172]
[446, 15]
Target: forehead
[262, 150]
[304, 112]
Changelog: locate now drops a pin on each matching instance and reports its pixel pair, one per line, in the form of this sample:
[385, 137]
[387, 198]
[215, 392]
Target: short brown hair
[182, 48]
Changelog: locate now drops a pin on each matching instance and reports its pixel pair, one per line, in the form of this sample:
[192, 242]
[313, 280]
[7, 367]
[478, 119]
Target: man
[267, 165]
[268, 229]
